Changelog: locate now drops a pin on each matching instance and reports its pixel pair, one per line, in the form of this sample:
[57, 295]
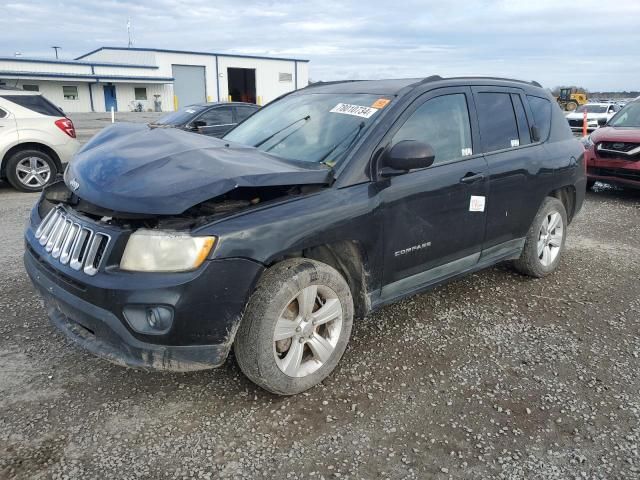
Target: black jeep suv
[163, 248]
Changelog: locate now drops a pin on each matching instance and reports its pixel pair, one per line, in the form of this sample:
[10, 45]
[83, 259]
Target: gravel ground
[493, 376]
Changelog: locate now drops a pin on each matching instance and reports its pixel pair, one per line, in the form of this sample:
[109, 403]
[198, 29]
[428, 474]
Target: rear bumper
[207, 310]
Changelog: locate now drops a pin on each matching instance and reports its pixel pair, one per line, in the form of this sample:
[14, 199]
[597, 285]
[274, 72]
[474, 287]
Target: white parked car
[36, 139]
[597, 115]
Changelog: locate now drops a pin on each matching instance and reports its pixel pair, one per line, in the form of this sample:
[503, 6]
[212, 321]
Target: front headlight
[164, 251]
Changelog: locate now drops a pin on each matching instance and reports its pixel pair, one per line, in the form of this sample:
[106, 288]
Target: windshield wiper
[355, 132]
[263, 141]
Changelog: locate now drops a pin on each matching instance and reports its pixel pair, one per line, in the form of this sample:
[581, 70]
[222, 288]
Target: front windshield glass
[629, 116]
[312, 127]
[180, 116]
[592, 109]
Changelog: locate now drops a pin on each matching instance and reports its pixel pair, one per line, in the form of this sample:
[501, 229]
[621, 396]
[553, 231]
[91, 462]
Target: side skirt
[423, 281]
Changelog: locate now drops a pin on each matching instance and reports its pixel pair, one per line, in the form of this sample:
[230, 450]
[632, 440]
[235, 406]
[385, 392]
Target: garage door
[188, 84]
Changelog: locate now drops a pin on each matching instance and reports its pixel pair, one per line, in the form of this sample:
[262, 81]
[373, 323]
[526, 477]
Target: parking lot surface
[492, 376]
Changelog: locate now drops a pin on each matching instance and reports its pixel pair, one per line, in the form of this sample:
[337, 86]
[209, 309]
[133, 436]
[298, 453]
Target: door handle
[472, 177]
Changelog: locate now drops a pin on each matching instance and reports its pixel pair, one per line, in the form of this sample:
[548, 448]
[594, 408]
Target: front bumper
[207, 306]
[616, 171]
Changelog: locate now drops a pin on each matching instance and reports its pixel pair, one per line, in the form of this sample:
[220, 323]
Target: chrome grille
[72, 243]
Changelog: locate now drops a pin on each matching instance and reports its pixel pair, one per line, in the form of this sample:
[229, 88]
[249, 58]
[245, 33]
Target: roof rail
[431, 78]
[534, 83]
[333, 82]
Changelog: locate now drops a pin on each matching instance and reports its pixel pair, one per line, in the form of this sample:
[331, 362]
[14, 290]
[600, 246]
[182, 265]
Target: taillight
[66, 125]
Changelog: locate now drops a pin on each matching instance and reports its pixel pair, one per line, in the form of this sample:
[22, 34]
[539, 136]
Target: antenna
[129, 32]
[56, 49]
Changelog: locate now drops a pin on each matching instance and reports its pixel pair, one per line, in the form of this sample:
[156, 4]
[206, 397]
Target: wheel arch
[347, 257]
[567, 195]
[29, 146]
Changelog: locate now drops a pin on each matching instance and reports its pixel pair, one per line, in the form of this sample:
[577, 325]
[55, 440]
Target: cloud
[553, 41]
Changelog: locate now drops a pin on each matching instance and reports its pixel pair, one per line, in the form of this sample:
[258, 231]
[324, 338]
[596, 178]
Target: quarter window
[521, 117]
[2, 113]
[442, 122]
[541, 110]
[498, 127]
[140, 93]
[70, 92]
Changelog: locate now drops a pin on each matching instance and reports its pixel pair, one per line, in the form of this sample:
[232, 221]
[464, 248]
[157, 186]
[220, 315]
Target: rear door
[513, 160]
[434, 218]
[219, 120]
[8, 130]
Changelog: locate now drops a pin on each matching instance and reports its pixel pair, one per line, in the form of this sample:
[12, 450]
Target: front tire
[545, 240]
[296, 326]
[590, 184]
[30, 170]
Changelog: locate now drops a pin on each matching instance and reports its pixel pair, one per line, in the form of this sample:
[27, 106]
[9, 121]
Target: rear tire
[571, 106]
[30, 170]
[285, 347]
[545, 240]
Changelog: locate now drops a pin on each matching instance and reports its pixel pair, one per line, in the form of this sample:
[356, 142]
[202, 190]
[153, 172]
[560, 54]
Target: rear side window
[36, 103]
[498, 127]
[541, 109]
[442, 122]
[244, 112]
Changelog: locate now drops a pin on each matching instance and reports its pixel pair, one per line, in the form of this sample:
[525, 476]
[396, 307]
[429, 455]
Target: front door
[434, 218]
[110, 98]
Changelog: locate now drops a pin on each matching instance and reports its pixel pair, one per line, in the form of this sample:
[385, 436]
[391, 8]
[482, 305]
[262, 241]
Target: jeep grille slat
[72, 243]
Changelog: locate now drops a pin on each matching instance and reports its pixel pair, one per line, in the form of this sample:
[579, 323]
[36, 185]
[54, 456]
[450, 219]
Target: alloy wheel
[550, 238]
[33, 172]
[307, 331]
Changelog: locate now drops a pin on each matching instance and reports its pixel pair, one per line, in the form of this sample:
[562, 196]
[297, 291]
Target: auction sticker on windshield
[357, 110]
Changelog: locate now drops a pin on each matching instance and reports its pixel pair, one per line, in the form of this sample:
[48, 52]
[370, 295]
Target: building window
[70, 93]
[30, 88]
[141, 93]
[285, 77]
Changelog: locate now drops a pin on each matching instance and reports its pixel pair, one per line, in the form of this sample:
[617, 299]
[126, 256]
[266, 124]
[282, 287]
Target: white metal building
[130, 78]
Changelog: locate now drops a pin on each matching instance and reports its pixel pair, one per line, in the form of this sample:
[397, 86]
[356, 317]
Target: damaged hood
[134, 169]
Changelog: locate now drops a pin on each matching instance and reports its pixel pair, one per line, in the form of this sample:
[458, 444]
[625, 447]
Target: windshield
[592, 109]
[629, 116]
[313, 127]
[180, 116]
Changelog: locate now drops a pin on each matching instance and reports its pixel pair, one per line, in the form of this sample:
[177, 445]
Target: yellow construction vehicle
[571, 98]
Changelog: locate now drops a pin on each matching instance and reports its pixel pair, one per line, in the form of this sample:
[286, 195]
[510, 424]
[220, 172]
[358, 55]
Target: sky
[594, 44]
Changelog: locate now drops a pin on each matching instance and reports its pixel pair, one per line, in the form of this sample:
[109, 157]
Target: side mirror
[602, 122]
[408, 155]
[535, 133]
[198, 123]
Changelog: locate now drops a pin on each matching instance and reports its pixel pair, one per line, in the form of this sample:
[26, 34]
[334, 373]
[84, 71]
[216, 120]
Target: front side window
[217, 116]
[70, 92]
[498, 127]
[180, 116]
[140, 93]
[443, 123]
[310, 127]
[541, 109]
[629, 116]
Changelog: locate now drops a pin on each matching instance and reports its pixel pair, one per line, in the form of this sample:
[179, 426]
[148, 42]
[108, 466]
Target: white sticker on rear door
[357, 110]
[476, 204]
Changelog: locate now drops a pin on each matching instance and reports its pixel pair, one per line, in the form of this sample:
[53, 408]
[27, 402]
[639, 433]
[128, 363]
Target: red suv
[613, 152]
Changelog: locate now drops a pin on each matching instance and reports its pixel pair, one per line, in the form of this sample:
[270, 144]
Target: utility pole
[56, 49]
[129, 32]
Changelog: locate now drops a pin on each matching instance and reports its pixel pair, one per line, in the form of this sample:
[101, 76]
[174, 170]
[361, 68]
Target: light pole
[56, 49]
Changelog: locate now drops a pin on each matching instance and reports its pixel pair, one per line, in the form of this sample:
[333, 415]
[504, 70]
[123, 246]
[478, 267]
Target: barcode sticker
[356, 110]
